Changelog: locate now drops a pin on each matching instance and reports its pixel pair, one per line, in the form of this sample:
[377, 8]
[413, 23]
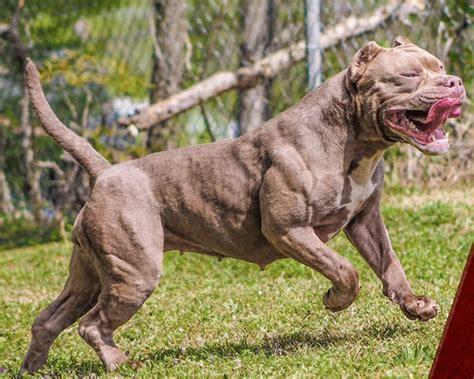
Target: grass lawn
[229, 319]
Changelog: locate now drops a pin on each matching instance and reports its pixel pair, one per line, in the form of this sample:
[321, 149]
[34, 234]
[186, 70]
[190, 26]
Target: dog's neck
[364, 143]
[365, 121]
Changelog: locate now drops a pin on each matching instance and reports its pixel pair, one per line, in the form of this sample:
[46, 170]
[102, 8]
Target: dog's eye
[411, 75]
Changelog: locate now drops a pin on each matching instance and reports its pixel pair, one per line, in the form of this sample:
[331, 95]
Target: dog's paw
[336, 300]
[420, 308]
[33, 362]
[113, 358]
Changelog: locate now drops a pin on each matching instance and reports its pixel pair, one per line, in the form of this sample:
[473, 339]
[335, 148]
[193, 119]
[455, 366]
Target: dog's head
[403, 94]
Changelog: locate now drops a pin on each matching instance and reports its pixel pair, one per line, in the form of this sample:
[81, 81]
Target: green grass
[230, 319]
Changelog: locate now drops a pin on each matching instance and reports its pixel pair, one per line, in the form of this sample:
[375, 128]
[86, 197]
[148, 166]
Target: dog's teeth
[432, 138]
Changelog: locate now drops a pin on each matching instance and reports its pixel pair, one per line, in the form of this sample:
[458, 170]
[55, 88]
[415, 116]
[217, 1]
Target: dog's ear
[399, 41]
[361, 59]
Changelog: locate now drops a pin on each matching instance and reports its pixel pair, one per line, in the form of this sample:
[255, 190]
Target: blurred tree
[81, 81]
[258, 23]
[169, 24]
[19, 51]
[6, 204]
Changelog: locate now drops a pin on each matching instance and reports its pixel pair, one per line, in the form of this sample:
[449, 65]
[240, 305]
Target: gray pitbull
[280, 191]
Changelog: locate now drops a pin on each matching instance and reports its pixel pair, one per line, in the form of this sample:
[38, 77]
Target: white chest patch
[362, 188]
[359, 194]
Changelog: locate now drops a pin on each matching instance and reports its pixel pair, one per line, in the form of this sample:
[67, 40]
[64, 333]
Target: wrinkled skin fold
[280, 191]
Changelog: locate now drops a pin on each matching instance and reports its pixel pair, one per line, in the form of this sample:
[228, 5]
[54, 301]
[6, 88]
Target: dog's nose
[452, 81]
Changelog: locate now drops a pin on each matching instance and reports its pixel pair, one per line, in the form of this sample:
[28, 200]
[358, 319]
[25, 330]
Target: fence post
[313, 48]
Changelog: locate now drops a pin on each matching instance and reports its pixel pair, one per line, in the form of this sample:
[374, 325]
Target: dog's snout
[452, 81]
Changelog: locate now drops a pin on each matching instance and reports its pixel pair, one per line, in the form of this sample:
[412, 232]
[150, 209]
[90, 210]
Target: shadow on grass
[57, 368]
[279, 345]
[282, 344]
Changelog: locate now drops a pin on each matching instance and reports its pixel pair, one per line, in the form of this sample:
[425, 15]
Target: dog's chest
[349, 201]
[360, 184]
[359, 194]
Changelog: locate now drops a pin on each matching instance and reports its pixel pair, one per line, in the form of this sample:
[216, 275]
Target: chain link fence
[97, 59]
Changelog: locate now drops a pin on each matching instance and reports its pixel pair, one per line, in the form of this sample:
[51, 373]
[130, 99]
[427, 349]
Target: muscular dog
[280, 191]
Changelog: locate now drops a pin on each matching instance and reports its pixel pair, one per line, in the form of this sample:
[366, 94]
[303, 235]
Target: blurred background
[103, 63]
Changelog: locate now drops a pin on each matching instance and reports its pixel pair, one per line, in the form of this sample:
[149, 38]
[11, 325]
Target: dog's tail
[78, 147]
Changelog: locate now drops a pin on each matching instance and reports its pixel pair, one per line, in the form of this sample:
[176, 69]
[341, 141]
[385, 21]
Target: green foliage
[52, 22]
[24, 232]
[458, 18]
[86, 70]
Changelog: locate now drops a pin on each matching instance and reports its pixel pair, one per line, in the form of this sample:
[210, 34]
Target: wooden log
[268, 67]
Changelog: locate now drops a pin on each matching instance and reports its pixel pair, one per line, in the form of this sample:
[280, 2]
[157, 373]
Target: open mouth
[425, 128]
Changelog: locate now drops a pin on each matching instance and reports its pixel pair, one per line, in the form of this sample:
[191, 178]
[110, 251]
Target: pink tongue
[441, 111]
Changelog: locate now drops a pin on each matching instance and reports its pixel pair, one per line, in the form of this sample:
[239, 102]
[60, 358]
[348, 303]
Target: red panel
[455, 355]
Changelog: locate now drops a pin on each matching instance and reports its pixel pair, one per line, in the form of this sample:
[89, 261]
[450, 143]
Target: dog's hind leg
[78, 297]
[130, 270]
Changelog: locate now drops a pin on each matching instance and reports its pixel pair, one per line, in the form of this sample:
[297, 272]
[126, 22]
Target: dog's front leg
[303, 245]
[368, 234]
[286, 224]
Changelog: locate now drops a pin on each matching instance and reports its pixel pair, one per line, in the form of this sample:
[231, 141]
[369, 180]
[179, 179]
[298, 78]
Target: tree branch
[207, 123]
[12, 35]
[4, 30]
[266, 68]
[52, 166]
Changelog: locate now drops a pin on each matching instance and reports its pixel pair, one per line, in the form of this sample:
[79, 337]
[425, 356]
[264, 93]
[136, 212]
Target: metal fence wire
[97, 57]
